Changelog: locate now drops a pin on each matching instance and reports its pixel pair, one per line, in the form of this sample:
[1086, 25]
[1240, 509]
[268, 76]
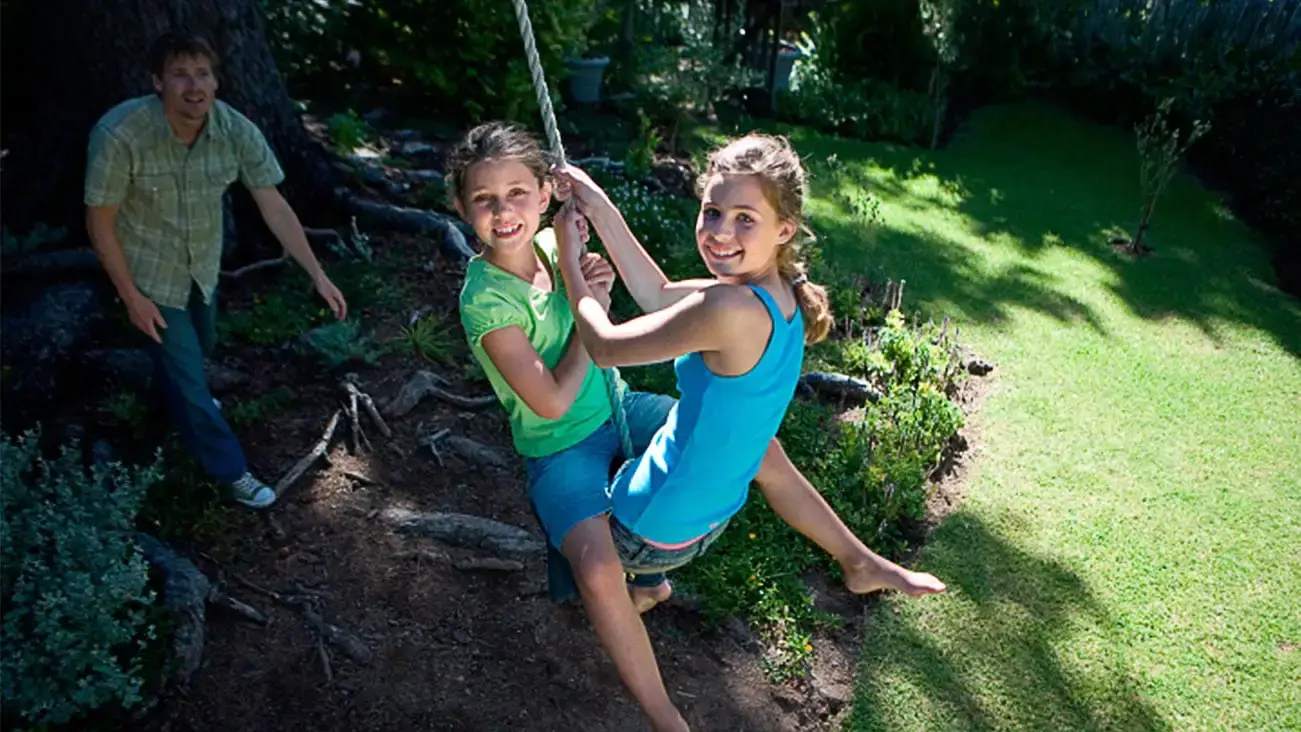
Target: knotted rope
[613, 385]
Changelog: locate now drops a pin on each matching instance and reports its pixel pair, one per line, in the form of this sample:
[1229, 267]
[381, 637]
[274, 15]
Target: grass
[1128, 554]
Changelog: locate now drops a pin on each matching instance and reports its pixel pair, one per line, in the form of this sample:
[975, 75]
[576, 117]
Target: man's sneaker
[217, 402]
[252, 492]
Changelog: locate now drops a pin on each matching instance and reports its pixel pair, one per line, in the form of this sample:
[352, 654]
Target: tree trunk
[79, 59]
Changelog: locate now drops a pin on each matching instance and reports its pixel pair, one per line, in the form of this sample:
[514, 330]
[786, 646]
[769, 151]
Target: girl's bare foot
[873, 573]
[645, 598]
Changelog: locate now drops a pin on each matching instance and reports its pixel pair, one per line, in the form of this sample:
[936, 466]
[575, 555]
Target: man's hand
[145, 316]
[599, 276]
[328, 292]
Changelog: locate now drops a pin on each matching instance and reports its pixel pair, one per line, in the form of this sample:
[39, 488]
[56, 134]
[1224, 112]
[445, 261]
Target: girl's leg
[799, 504]
[618, 625]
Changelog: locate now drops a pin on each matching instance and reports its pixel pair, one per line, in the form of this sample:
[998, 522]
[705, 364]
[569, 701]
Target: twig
[428, 555]
[348, 643]
[318, 450]
[432, 441]
[221, 599]
[354, 417]
[369, 405]
[249, 268]
[248, 584]
[490, 564]
[360, 477]
[325, 658]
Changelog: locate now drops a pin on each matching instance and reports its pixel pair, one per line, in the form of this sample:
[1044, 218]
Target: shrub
[467, 55]
[74, 586]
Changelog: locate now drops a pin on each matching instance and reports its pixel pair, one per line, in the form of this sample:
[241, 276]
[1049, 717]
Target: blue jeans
[190, 336]
[571, 486]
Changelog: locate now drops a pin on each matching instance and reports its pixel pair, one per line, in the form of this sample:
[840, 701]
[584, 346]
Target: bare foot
[874, 573]
[645, 598]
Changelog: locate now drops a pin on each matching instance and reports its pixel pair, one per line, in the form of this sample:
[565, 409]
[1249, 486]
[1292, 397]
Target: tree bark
[79, 59]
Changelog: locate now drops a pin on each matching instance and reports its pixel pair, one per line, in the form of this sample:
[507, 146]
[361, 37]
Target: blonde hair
[784, 182]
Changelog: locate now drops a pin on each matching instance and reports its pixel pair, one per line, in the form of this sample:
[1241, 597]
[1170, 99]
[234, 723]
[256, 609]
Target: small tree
[1159, 151]
[939, 23]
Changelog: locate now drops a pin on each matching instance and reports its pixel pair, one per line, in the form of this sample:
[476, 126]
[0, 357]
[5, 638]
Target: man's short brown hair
[179, 43]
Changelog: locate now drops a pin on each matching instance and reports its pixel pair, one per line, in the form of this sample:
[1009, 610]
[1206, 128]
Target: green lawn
[1129, 556]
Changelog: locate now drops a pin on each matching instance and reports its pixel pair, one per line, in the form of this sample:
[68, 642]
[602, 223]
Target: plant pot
[586, 77]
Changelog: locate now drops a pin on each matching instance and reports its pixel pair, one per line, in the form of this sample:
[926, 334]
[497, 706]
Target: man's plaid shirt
[169, 195]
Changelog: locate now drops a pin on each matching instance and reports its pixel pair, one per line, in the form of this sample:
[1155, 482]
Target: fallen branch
[428, 555]
[354, 417]
[426, 383]
[476, 453]
[325, 657]
[348, 643]
[360, 477]
[489, 564]
[411, 221]
[221, 599]
[318, 451]
[254, 267]
[839, 385]
[432, 441]
[472, 532]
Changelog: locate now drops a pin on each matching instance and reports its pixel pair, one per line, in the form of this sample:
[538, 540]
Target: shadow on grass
[1030, 180]
[998, 666]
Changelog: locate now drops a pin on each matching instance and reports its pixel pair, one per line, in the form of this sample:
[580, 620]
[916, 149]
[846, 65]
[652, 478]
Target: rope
[613, 385]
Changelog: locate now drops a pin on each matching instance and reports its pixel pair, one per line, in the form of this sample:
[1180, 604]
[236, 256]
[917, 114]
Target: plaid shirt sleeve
[258, 167]
[108, 168]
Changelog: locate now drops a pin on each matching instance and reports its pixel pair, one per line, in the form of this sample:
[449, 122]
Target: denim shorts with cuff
[571, 486]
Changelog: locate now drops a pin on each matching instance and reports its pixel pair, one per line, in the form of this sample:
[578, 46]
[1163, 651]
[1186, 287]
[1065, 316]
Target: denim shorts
[640, 558]
[572, 485]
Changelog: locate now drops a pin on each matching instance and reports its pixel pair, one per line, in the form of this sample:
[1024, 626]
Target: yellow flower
[808, 646]
[752, 536]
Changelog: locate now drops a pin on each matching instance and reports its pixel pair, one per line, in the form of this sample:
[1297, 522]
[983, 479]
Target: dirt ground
[452, 649]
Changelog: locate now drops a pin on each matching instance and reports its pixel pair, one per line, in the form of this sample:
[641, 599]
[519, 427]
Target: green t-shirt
[492, 298]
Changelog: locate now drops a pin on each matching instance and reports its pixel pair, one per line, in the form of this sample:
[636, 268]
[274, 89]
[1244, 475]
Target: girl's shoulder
[736, 305]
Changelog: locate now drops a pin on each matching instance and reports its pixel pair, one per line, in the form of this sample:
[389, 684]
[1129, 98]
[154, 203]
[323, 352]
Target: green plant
[248, 412]
[39, 237]
[641, 153]
[431, 338]
[342, 342]
[1159, 151]
[73, 584]
[126, 409]
[348, 131]
[475, 70]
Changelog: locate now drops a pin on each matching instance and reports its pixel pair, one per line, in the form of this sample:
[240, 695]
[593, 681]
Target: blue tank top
[697, 470]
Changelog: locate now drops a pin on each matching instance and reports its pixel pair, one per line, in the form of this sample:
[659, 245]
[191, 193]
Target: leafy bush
[865, 108]
[342, 342]
[872, 467]
[73, 584]
[467, 55]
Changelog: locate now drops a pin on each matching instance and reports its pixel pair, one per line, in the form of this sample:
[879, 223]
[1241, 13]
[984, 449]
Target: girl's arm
[549, 393]
[644, 279]
[707, 320]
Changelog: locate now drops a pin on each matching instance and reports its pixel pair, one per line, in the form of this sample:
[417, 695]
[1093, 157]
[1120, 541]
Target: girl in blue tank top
[738, 340]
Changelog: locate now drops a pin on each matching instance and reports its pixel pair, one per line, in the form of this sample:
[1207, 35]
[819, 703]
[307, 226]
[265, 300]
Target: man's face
[187, 86]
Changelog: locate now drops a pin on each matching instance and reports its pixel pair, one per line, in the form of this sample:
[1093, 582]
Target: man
[158, 166]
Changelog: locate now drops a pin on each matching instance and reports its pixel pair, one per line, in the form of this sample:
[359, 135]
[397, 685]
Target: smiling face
[738, 231]
[504, 203]
[187, 86]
